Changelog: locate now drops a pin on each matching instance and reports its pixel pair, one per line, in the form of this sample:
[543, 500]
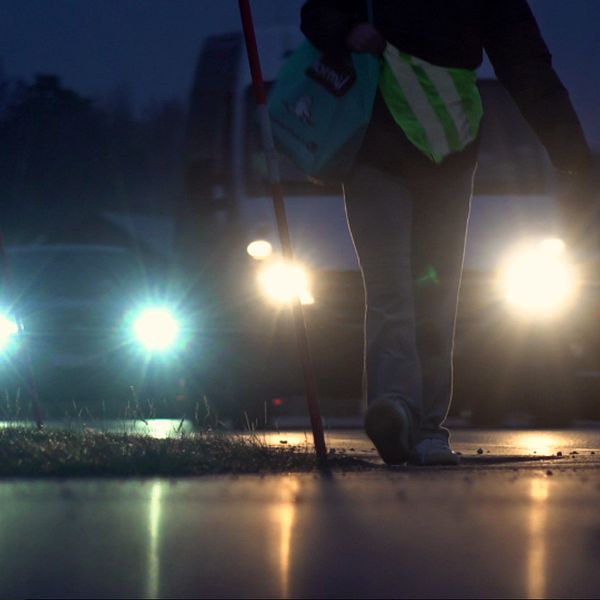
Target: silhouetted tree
[52, 157]
[63, 158]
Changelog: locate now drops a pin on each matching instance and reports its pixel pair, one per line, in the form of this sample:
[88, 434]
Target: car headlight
[156, 328]
[281, 282]
[8, 329]
[537, 278]
[259, 249]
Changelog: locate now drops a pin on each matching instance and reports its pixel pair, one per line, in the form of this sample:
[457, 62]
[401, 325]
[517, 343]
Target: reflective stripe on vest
[438, 108]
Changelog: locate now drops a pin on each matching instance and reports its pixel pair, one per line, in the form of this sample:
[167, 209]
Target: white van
[524, 333]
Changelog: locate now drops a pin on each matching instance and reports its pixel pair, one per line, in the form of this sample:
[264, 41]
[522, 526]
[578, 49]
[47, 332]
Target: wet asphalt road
[515, 520]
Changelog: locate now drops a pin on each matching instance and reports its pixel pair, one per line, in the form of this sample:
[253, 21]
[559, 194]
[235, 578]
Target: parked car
[527, 331]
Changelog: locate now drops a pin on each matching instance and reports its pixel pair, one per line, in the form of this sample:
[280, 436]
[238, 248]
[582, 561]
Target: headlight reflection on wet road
[535, 577]
[284, 516]
[542, 443]
[154, 514]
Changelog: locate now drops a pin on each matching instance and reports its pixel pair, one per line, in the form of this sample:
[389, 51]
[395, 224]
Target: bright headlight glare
[282, 282]
[259, 249]
[538, 278]
[552, 247]
[156, 328]
[8, 328]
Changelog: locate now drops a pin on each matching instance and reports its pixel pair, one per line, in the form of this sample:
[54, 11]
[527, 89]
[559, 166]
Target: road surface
[515, 520]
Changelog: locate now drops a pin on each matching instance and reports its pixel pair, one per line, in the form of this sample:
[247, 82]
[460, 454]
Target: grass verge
[26, 452]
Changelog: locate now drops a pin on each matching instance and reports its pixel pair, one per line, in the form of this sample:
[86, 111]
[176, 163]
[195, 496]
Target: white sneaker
[433, 451]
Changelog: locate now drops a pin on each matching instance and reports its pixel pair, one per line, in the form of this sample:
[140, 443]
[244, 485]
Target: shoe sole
[387, 425]
[434, 460]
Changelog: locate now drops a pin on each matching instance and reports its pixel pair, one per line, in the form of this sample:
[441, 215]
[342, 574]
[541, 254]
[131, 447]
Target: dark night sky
[151, 45]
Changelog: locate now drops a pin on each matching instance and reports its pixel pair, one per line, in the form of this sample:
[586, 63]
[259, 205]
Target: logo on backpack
[302, 109]
[335, 75]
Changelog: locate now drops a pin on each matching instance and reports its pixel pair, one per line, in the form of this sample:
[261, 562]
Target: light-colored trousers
[409, 231]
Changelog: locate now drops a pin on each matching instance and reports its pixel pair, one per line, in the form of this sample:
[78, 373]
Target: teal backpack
[320, 108]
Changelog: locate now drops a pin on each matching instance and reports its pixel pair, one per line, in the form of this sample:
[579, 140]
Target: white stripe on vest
[417, 100]
[444, 84]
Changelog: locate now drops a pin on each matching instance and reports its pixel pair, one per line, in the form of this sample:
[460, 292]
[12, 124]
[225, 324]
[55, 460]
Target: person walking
[408, 194]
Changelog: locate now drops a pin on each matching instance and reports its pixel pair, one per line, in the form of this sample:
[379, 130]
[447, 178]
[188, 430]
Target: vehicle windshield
[70, 272]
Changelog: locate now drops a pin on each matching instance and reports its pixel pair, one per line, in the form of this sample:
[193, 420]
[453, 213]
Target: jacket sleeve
[326, 23]
[523, 64]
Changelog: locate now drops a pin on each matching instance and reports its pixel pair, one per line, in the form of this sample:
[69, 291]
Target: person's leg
[440, 217]
[378, 208]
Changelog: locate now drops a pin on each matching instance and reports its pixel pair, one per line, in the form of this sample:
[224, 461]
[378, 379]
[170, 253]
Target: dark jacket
[454, 33]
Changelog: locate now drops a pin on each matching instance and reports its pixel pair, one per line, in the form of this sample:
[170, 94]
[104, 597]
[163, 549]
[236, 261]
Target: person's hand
[365, 38]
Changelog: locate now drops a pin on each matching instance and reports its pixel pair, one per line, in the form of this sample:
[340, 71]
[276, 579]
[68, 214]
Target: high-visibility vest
[438, 108]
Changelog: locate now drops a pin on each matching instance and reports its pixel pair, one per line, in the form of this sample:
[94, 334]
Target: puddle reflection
[156, 428]
[154, 514]
[284, 516]
[540, 442]
[537, 549]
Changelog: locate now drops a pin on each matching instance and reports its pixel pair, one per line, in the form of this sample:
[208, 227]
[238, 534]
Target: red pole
[282, 225]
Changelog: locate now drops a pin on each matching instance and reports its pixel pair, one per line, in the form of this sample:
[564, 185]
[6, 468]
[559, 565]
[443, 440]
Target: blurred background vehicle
[528, 325]
[93, 327]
